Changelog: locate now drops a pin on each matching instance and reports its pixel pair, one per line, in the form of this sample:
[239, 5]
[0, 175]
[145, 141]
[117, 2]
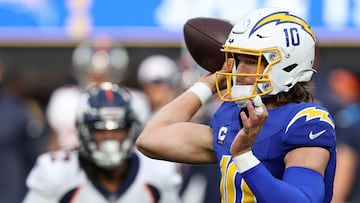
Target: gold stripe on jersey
[223, 167]
[231, 192]
[227, 184]
[248, 196]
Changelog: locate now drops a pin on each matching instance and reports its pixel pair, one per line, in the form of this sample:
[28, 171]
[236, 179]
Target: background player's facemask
[111, 153]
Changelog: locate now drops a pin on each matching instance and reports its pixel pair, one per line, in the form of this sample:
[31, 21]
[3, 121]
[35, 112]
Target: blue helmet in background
[106, 107]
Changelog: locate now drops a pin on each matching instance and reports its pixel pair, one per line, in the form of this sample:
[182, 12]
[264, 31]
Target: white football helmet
[277, 37]
[98, 61]
[158, 69]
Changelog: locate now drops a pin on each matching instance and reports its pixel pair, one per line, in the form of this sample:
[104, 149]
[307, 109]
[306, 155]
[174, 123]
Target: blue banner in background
[145, 21]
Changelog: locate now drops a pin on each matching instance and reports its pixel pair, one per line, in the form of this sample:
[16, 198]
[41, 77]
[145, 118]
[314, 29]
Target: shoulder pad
[55, 172]
[310, 125]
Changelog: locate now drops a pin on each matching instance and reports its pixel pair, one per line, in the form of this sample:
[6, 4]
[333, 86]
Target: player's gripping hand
[252, 125]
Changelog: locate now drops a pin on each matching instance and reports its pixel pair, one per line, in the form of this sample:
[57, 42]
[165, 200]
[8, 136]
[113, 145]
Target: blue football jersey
[290, 126]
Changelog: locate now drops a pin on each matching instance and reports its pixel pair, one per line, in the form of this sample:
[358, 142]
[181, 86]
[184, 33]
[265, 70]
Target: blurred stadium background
[37, 37]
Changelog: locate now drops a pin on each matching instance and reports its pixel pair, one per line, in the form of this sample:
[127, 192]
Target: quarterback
[271, 141]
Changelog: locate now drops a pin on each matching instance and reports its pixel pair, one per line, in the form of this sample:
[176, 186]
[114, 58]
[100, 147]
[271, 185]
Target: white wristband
[246, 161]
[201, 90]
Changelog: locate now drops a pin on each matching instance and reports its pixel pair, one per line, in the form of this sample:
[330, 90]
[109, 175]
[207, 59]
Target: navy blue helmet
[106, 107]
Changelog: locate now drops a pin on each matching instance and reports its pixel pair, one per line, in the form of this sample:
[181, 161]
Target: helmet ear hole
[289, 68]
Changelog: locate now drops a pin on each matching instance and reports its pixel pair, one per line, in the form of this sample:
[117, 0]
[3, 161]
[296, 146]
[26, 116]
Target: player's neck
[114, 178]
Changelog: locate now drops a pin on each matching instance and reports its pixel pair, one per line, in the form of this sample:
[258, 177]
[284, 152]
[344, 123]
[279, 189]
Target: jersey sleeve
[298, 185]
[310, 126]
[52, 176]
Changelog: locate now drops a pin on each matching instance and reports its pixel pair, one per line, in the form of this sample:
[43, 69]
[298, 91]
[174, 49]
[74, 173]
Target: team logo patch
[282, 17]
[312, 113]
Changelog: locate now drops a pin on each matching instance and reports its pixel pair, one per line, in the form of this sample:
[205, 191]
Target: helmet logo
[282, 17]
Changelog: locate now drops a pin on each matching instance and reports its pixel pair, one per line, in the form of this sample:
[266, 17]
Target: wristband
[201, 90]
[245, 161]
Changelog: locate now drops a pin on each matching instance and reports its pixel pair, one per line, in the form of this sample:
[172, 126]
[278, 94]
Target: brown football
[204, 38]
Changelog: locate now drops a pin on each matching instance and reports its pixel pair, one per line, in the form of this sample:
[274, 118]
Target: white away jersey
[57, 178]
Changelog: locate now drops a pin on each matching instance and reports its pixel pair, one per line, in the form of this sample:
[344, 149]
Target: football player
[94, 62]
[106, 168]
[272, 143]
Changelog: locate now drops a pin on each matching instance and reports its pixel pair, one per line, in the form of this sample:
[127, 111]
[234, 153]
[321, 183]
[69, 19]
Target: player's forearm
[183, 108]
[155, 138]
[180, 109]
[169, 130]
[298, 185]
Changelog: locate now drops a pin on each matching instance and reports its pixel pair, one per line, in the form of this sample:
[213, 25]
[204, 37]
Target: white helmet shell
[101, 57]
[158, 68]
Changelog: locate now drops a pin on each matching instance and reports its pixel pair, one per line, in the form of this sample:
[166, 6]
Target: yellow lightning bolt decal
[312, 113]
[283, 17]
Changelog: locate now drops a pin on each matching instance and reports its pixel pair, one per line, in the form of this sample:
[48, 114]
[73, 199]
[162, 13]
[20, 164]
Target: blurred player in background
[344, 85]
[272, 143]
[100, 60]
[158, 76]
[105, 168]
[22, 137]
[93, 63]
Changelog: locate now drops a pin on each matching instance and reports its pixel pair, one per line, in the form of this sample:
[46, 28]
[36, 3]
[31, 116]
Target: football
[204, 38]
